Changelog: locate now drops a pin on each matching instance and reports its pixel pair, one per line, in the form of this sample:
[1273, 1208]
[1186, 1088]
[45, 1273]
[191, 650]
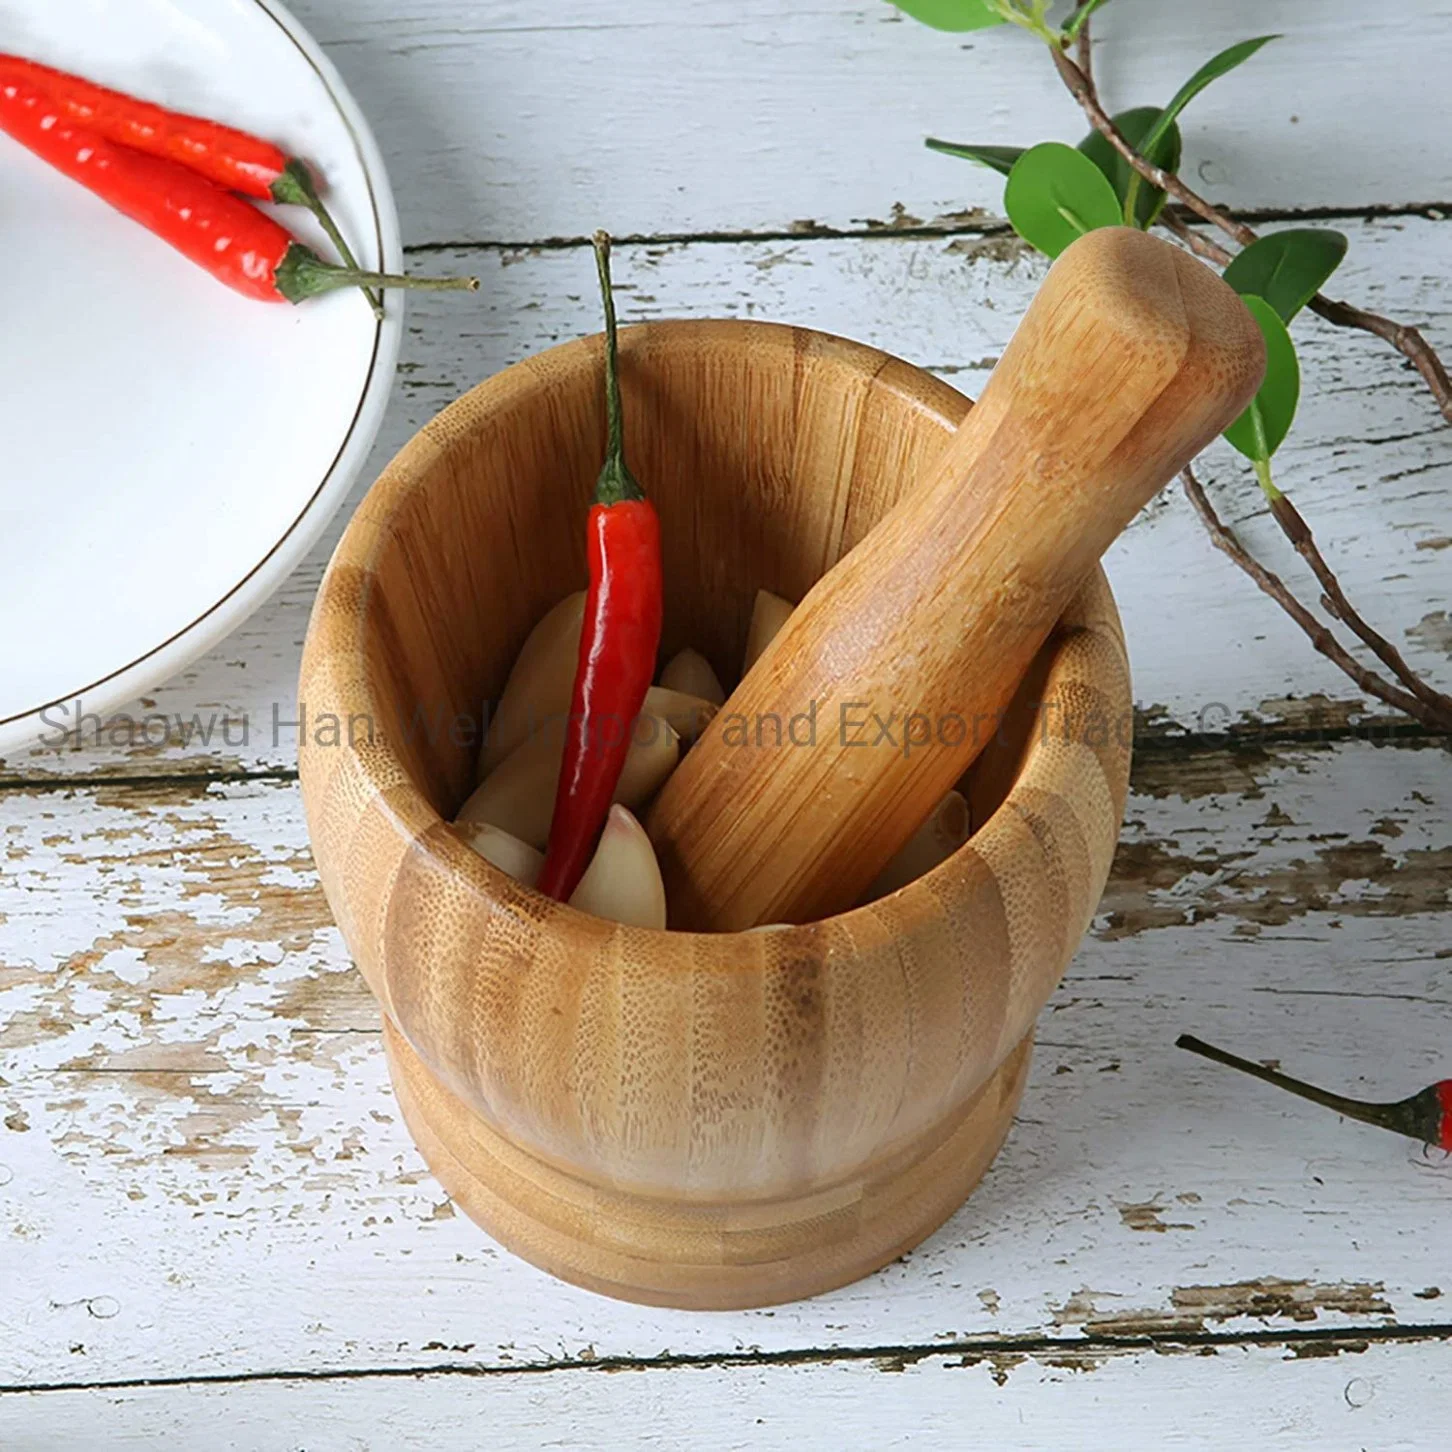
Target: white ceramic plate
[171, 449]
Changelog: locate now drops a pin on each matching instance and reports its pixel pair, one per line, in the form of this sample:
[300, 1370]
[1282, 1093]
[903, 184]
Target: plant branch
[1199, 244]
[1295, 529]
[1034, 19]
[1293, 525]
[1319, 635]
[1084, 47]
[1422, 702]
[1407, 340]
[1081, 87]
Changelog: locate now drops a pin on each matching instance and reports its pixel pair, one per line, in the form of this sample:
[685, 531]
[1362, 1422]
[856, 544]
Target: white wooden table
[214, 1231]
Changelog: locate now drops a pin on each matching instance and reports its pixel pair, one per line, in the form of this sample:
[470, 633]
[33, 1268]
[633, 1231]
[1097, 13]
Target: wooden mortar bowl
[713, 1120]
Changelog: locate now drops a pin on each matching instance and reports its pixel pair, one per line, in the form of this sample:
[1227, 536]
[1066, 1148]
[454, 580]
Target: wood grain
[1368, 461]
[786, 118]
[1131, 357]
[203, 1171]
[1287, 1395]
[680, 1071]
[703, 1252]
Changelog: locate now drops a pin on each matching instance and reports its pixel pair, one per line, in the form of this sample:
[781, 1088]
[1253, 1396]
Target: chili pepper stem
[295, 187]
[303, 274]
[616, 482]
[1419, 1117]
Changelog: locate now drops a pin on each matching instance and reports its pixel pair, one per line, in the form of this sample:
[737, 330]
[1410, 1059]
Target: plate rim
[253, 590]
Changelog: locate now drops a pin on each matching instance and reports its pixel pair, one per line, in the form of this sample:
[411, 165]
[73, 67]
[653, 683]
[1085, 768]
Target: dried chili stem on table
[1425, 1116]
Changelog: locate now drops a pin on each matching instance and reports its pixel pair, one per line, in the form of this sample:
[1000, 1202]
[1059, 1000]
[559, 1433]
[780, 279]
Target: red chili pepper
[228, 236]
[233, 159]
[618, 643]
[1426, 1116]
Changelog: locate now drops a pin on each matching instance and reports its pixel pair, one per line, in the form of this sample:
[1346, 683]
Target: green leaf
[1259, 431]
[1287, 268]
[951, 14]
[1055, 194]
[1212, 70]
[1133, 124]
[1077, 19]
[997, 158]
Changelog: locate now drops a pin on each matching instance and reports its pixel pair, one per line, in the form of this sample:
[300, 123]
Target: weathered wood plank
[203, 1171]
[508, 120]
[1322, 1393]
[1370, 462]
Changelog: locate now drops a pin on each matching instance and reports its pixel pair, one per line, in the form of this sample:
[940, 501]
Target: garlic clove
[623, 882]
[690, 673]
[768, 614]
[521, 861]
[945, 831]
[518, 796]
[687, 715]
[540, 684]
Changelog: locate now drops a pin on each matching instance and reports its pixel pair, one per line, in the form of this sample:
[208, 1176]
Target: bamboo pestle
[1130, 359]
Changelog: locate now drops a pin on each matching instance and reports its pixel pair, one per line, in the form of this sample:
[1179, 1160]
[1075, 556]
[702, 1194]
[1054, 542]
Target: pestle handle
[1130, 359]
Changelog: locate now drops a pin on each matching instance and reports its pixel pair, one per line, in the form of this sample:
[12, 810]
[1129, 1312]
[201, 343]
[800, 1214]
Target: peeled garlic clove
[945, 831]
[768, 615]
[690, 673]
[688, 715]
[518, 796]
[623, 881]
[507, 853]
[655, 749]
[540, 684]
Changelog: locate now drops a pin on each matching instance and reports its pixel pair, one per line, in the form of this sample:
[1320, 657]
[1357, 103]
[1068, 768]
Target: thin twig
[1199, 244]
[1319, 636]
[1295, 528]
[1081, 87]
[1084, 48]
[1407, 340]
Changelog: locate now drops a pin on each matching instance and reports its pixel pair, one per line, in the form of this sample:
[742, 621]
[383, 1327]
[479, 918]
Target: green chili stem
[616, 483]
[1418, 1117]
[296, 186]
[303, 274]
[1352, 1108]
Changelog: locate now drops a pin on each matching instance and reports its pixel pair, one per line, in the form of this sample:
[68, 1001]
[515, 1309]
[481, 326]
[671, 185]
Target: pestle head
[1130, 359]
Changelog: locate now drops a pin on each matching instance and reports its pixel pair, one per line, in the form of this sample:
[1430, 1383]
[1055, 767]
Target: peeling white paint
[1349, 1395]
[219, 1111]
